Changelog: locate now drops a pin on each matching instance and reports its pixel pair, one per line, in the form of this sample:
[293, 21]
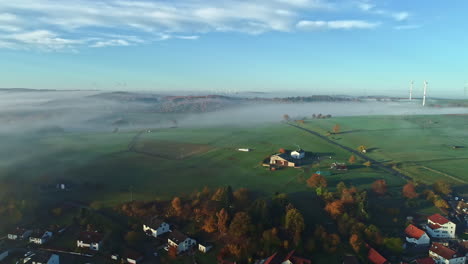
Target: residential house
[180, 240]
[39, 237]
[204, 247]
[375, 257]
[42, 257]
[427, 260]
[156, 227]
[444, 255]
[133, 257]
[289, 258]
[91, 240]
[19, 234]
[440, 227]
[416, 236]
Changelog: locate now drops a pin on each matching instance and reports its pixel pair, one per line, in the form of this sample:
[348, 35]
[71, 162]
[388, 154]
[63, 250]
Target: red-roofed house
[444, 255]
[278, 258]
[416, 236]
[375, 257]
[424, 261]
[440, 227]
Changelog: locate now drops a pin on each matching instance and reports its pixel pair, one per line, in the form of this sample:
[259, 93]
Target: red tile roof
[278, 258]
[425, 261]
[438, 219]
[443, 251]
[432, 226]
[414, 232]
[375, 257]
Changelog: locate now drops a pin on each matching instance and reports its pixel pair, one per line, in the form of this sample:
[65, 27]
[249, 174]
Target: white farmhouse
[39, 237]
[19, 234]
[416, 236]
[298, 154]
[91, 240]
[440, 227]
[444, 255]
[156, 227]
[181, 241]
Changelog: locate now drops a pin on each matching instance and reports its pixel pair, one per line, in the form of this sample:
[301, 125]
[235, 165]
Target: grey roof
[177, 237]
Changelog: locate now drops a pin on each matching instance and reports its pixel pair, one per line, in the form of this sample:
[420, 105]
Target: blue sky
[310, 46]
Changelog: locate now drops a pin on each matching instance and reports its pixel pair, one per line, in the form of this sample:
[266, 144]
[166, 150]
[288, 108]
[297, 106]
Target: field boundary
[443, 174]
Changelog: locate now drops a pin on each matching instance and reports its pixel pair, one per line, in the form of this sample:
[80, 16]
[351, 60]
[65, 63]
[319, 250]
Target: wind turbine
[411, 91]
[425, 93]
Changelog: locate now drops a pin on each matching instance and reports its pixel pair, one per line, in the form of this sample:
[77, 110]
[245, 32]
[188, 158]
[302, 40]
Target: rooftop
[414, 232]
[177, 237]
[90, 237]
[438, 219]
[375, 257]
[443, 251]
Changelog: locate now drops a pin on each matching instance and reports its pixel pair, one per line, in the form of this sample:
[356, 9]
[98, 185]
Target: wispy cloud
[52, 25]
[371, 8]
[336, 24]
[407, 27]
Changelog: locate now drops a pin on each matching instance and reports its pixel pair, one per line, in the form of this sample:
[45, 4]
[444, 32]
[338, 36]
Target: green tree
[241, 225]
[294, 223]
[394, 244]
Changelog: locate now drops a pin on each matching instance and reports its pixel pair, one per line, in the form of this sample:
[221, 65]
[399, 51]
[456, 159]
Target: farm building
[291, 159]
[298, 154]
[204, 247]
[339, 166]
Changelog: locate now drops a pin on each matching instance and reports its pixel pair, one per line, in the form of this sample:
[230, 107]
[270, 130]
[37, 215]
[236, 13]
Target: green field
[420, 146]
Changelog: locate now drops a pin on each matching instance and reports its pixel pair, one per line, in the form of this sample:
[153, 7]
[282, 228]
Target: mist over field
[30, 110]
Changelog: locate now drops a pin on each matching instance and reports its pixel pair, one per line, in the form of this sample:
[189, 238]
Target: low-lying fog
[22, 111]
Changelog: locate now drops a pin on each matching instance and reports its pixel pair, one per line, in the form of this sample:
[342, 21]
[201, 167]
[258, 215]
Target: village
[435, 239]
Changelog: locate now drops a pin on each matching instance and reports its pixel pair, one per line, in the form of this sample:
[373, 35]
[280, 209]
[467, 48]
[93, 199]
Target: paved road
[374, 162]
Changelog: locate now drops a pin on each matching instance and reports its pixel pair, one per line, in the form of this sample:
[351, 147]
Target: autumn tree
[294, 223]
[335, 208]
[223, 218]
[336, 129]
[340, 187]
[352, 159]
[317, 181]
[367, 164]
[282, 150]
[347, 195]
[409, 191]
[380, 187]
[177, 205]
[442, 187]
[210, 224]
[440, 203]
[286, 117]
[300, 122]
[240, 225]
[356, 242]
[271, 240]
[373, 234]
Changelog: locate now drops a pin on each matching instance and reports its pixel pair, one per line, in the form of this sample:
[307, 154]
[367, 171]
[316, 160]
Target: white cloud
[400, 16]
[108, 43]
[51, 24]
[407, 27]
[336, 24]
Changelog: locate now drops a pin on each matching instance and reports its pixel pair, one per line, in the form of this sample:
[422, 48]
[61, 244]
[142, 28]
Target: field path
[357, 153]
[444, 174]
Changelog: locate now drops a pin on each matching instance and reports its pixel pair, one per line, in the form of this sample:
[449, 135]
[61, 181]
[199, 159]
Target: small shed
[204, 247]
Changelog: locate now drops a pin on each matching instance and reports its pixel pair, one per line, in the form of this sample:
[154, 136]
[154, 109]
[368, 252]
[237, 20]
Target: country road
[374, 162]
